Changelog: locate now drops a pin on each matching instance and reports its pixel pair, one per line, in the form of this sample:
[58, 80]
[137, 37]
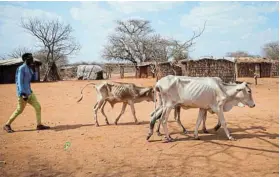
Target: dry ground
[123, 150]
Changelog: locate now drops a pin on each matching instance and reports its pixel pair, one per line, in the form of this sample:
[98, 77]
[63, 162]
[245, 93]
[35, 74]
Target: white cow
[232, 101]
[209, 94]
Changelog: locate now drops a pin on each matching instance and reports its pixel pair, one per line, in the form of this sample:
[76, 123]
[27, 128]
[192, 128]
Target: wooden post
[236, 70]
[137, 70]
[257, 69]
[256, 78]
[121, 71]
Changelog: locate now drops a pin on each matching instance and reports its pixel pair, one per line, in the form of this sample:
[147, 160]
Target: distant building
[8, 69]
[263, 67]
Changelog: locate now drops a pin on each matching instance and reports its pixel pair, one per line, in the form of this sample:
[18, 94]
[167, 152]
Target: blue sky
[231, 26]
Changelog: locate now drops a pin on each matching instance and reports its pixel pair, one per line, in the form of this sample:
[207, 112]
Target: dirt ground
[122, 150]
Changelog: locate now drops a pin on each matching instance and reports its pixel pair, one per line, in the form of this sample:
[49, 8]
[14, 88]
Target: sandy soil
[122, 150]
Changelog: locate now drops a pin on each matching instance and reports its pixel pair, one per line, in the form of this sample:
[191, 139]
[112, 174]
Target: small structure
[145, 69]
[89, 72]
[52, 73]
[108, 71]
[168, 68]
[249, 66]
[119, 68]
[8, 69]
[275, 68]
[223, 67]
[68, 72]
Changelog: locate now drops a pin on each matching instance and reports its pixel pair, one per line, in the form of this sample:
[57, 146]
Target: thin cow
[230, 103]
[117, 92]
[208, 94]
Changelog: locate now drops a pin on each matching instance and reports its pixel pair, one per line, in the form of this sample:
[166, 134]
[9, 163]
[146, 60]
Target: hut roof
[253, 60]
[231, 59]
[67, 67]
[88, 72]
[153, 63]
[118, 64]
[15, 61]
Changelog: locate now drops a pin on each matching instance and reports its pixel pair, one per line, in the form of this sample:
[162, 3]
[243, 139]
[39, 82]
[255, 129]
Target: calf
[117, 92]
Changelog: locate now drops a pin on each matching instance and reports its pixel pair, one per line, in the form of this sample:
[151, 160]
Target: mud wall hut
[275, 69]
[8, 69]
[145, 70]
[167, 68]
[89, 72]
[247, 66]
[223, 67]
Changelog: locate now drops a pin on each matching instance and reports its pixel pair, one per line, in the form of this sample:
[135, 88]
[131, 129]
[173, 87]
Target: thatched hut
[210, 67]
[8, 69]
[89, 72]
[248, 66]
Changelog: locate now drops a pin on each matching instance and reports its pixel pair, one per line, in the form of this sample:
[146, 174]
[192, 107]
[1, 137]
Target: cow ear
[241, 105]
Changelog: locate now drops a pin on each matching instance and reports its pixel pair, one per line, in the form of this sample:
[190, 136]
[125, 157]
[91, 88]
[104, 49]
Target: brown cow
[117, 92]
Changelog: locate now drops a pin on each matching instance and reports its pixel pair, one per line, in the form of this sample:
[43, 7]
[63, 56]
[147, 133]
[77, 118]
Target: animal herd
[208, 94]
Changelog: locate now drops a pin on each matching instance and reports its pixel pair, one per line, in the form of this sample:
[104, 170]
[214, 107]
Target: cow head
[148, 94]
[244, 95]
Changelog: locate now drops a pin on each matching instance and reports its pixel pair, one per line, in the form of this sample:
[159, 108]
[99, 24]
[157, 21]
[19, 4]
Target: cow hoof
[97, 125]
[116, 123]
[231, 138]
[149, 136]
[167, 140]
[216, 128]
[137, 123]
[185, 132]
[196, 138]
[107, 123]
[205, 131]
[159, 134]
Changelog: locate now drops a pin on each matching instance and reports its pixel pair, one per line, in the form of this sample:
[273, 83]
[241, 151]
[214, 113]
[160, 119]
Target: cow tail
[156, 89]
[155, 98]
[82, 91]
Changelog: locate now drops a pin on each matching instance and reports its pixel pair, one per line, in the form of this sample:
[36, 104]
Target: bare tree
[180, 50]
[18, 52]
[128, 43]
[56, 37]
[42, 56]
[135, 41]
[271, 50]
[3, 57]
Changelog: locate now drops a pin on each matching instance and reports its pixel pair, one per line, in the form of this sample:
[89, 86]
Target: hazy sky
[230, 26]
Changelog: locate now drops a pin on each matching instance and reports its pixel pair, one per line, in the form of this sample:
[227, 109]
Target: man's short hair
[26, 55]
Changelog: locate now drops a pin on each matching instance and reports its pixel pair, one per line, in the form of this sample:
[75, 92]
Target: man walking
[24, 74]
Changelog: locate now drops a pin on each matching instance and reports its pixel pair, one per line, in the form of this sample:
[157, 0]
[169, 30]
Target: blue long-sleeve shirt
[24, 75]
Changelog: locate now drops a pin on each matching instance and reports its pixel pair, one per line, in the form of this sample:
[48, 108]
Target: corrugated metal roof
[14, 61]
